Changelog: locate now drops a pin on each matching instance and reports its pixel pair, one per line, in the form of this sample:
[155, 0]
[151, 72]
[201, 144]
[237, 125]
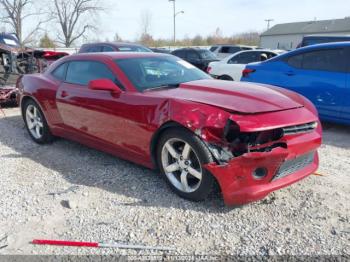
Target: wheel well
[157, 135]
[226, 76]
[155, 139]
[24, 100]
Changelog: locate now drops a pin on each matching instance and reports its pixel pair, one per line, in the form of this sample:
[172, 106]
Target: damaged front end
[253, 160]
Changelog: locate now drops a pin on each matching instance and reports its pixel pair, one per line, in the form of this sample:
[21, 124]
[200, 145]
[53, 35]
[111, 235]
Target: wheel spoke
[184, 182]
[31, 124]
[30, 114]
[186, 151]
[195, 173]
[35, 112]
[171, 150]
[172, 168]
[40, 124]
[37, 130]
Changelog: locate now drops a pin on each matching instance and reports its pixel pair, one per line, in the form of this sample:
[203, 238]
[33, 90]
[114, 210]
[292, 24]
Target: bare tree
[72, 16]
[16, 12]
[146, 22]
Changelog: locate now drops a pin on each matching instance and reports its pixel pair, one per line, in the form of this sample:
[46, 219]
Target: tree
[16, 12]
[145, 22]
[117, 38]
[72, 16]
[47, 42]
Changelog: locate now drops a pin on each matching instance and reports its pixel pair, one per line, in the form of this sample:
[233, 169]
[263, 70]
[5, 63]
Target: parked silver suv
[223, 51]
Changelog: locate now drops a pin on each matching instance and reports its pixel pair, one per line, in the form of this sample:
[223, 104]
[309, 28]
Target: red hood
[234, 96]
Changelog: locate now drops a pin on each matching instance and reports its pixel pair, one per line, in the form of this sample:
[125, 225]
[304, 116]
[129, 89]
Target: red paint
[64, 243]
[125, 124]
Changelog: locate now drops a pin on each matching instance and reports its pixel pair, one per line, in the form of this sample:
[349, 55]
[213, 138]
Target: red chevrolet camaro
[161, 112]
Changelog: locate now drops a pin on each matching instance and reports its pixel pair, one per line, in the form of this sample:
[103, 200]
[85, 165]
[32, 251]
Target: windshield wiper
[165, 86]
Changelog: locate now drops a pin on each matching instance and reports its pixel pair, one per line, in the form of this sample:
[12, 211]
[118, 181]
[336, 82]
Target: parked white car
[223, 51]
[232, 66]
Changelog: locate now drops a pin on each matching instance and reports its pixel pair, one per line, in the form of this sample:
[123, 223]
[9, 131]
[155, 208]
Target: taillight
[208, 69]
[247, 71]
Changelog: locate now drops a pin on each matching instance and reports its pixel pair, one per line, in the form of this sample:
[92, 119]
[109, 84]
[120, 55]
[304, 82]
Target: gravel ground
[68, 191]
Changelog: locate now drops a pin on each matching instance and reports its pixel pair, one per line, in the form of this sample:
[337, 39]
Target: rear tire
[36, 123]
[226, 77]
[181, 156]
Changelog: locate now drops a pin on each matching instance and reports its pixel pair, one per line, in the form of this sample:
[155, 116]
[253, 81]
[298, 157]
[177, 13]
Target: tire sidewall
[204, 155]
[47, 136]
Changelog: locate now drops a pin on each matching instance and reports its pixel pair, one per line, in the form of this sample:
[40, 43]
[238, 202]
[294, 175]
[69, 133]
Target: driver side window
[192, 55]
[82, 72]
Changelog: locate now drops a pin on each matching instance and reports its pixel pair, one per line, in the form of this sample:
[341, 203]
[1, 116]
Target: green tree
[47, 42]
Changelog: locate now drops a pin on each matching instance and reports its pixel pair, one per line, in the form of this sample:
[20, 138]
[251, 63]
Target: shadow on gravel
[336, 135]
[80, 165]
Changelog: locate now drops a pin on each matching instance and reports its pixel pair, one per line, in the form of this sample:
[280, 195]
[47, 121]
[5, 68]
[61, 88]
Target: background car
[161, 50]
[161, 112]
[230, 68]
[318, 72]
[112, 47]
[321, 39]
[222, 51]
[196, 56]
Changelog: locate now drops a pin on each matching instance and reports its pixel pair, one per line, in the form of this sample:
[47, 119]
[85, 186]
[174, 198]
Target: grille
[291, 166]
[299, 129]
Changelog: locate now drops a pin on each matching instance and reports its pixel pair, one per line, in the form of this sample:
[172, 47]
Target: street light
[175, 15]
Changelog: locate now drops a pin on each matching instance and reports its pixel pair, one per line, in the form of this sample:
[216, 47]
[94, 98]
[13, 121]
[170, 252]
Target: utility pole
[175, 14]
[268, 21]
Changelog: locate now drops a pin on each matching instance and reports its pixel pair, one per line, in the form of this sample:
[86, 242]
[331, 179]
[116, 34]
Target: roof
[116, 44]
[114, 55]
[310, 27]
[315, 47]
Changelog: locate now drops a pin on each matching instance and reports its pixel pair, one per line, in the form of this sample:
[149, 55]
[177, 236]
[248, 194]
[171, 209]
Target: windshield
[206, 54]
[161, 71]
[133, 49]
[9, 40]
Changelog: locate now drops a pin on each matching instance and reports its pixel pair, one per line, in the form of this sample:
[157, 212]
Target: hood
[243, 97]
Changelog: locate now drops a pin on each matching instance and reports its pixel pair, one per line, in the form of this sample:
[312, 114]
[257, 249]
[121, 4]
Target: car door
[98, 115]
[319, 75]
[345, 110]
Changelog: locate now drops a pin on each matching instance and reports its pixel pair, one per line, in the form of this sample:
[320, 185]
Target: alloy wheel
[181, 165]
[34, 121]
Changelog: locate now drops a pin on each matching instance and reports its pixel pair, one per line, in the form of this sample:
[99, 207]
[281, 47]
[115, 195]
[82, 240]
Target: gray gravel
[68, 191]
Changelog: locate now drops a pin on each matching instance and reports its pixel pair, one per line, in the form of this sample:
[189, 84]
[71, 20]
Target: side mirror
[104, 84]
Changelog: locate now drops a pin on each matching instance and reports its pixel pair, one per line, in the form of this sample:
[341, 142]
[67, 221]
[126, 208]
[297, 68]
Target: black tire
[207, 182]
[226, 77]
[46, 136]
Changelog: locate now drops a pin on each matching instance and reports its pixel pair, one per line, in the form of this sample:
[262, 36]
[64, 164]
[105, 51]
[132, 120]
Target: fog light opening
[260, 173]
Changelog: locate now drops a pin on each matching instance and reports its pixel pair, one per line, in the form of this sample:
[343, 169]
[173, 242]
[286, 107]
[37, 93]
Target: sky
[201, 17]
[204, 16]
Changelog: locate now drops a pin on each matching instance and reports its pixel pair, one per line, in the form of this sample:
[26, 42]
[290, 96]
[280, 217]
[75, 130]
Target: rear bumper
[239, 186]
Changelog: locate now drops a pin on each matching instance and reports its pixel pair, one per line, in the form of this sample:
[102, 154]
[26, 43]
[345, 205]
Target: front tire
[181, 156]
[35, 122]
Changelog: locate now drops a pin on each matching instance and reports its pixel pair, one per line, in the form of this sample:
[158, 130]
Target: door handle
[64, 94]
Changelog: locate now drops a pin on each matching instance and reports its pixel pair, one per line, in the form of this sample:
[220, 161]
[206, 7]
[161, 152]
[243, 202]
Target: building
[288, 36]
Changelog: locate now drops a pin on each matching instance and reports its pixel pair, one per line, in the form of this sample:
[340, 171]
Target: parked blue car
[319, 72]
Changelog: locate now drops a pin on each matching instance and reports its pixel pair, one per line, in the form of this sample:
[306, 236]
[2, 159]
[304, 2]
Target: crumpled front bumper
[239, 186]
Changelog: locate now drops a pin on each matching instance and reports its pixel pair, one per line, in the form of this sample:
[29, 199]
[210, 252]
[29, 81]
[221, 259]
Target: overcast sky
[204, 16]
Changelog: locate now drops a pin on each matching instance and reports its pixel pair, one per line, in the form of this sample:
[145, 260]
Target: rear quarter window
[60, 72]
